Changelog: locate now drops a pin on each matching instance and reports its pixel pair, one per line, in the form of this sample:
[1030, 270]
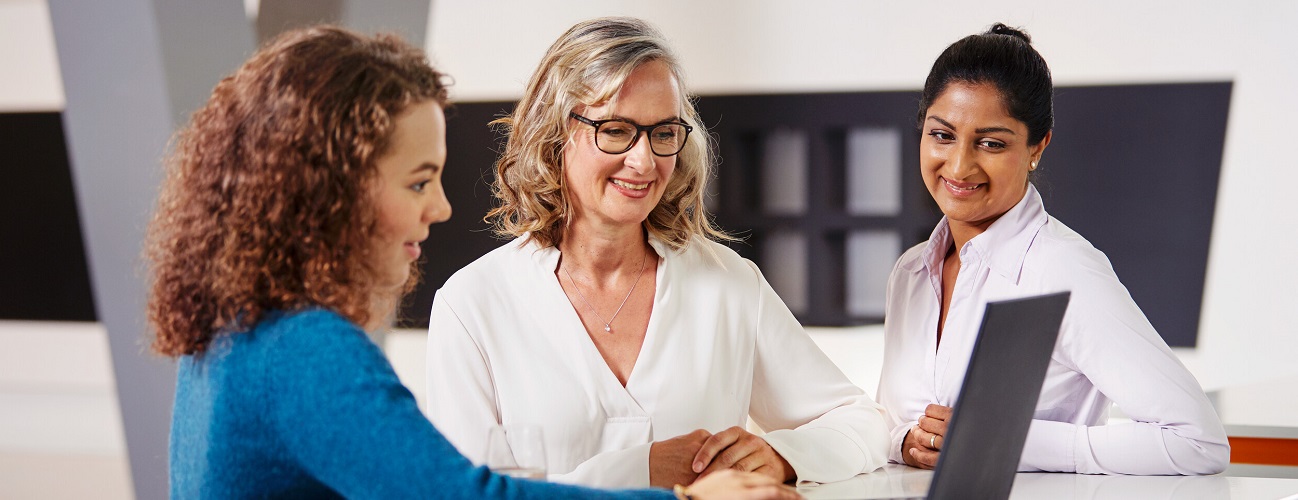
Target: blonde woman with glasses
[614, 319]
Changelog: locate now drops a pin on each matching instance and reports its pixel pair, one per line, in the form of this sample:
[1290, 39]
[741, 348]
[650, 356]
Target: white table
[902, 481]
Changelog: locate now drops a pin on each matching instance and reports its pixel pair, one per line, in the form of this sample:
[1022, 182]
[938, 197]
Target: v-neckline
[590, 352]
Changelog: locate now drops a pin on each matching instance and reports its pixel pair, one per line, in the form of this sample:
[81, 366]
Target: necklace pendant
[608, 329]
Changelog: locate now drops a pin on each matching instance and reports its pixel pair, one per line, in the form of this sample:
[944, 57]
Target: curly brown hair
[266, 201]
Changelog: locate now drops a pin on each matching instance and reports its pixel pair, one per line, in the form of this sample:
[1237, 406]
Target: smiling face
[974, 156]
[408, 193]
[621, 190]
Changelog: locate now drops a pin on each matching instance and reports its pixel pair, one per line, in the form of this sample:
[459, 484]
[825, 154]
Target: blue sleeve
[340, 412]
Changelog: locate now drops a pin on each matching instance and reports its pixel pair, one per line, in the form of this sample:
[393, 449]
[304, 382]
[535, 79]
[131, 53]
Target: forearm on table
[1139, 448]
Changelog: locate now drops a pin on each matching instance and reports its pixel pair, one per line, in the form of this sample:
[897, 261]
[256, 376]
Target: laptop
[990, 420]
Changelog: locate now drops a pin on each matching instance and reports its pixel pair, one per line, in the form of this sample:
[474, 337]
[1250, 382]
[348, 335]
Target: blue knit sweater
[304, 405]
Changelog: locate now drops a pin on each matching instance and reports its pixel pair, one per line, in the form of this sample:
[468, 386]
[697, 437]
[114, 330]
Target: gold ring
[932, 441]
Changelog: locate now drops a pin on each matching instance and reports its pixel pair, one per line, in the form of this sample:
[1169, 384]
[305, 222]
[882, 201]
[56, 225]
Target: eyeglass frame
[596, 124]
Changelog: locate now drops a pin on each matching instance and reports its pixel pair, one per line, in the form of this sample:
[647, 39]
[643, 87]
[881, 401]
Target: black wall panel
[43, 274]
[1133, 168]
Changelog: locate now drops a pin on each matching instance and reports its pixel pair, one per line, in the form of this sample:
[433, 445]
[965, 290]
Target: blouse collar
[1003, 246]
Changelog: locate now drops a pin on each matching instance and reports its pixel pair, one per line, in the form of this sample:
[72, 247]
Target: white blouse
[506, 346]
[1107, 352]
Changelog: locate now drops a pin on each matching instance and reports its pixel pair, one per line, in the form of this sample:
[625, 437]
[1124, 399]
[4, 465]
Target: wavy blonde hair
[587, 67]
[266, 205]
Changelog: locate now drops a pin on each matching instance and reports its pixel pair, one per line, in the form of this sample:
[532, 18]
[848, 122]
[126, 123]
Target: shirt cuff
[818, 454]
[627, 468]
[898, 437]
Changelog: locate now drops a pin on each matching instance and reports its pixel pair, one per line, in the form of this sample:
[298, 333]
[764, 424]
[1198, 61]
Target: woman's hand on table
[923, 444]
[738, 449]
[671, 461]
[732, 484]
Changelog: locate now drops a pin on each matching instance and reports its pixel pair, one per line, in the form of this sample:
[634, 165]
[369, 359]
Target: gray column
[408, 18]
[131, 69]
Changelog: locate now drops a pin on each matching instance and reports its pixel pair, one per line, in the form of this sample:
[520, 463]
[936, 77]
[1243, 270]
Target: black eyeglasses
[618, 136]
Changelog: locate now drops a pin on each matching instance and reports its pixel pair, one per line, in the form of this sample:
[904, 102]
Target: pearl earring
[1034, 166]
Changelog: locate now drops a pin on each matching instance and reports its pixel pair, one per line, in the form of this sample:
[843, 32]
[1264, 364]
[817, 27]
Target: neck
[383, 307]
[604, 253]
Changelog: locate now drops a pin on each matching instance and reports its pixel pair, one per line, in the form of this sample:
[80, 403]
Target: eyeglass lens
[617, 137]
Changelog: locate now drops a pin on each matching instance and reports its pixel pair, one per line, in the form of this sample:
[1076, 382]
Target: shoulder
[1058, 246]
[319, 331]
[1061, 259]
[497, 266]
[707, 259]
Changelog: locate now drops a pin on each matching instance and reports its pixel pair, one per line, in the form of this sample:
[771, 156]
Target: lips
[627, 185]
[631, 189]
[413, 249]
[961, 188]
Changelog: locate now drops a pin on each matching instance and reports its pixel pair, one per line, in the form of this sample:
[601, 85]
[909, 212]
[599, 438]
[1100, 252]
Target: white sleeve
[1174, 429]
[626, 468]
[461, 394]
[892, 387]
[826, 428]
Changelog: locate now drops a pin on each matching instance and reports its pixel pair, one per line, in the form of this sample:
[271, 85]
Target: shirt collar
[938, 241]
[1003, 246]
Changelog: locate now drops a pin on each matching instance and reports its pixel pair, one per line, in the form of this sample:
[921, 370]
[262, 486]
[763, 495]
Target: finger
[699, 435]
[766, 470]
[714, 445]
[752, 462]
[746, 446]
[727, 458]
[753, 479]
[925, 458]
[920, 437]
[938, 411]
[932, 426]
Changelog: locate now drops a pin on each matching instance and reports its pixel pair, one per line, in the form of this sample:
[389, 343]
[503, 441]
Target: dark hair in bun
[1004, 57]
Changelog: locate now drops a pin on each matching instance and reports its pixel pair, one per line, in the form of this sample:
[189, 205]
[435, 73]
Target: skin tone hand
[671, 460]
[924, 442]
[738, 449]
[731, 484]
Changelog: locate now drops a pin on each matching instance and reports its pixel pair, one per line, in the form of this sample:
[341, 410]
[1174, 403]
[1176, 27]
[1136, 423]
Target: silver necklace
[608, 324]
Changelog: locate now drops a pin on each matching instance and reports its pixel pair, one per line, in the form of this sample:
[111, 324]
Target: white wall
[738, 46]
[29, 69]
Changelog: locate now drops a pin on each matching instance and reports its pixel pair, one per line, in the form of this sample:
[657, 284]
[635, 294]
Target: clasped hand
[682, 459]
[924, 442]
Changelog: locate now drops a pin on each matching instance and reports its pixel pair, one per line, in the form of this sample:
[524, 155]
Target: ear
[1040, 148]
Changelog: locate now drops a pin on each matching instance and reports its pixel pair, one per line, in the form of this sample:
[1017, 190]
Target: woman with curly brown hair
[292, 213]
[615, 319]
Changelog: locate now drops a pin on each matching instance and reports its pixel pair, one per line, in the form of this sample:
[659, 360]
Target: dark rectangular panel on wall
[44, 273]
[826, 191]
[1134, 169]
[472, 149]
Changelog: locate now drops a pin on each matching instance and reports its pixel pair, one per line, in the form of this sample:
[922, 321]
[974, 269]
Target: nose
[641, 156]
[438, 208]
[962, 163]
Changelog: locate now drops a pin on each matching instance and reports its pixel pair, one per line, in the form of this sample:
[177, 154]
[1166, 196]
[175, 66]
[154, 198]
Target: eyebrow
[984, 130]
[676, 119]
[427, 166]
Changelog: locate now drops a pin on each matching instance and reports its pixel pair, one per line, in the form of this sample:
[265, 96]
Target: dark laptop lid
[990, 420]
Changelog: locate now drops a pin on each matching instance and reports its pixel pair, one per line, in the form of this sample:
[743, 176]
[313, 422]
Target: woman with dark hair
[288, 226]
[615, 319]
[986, 116]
